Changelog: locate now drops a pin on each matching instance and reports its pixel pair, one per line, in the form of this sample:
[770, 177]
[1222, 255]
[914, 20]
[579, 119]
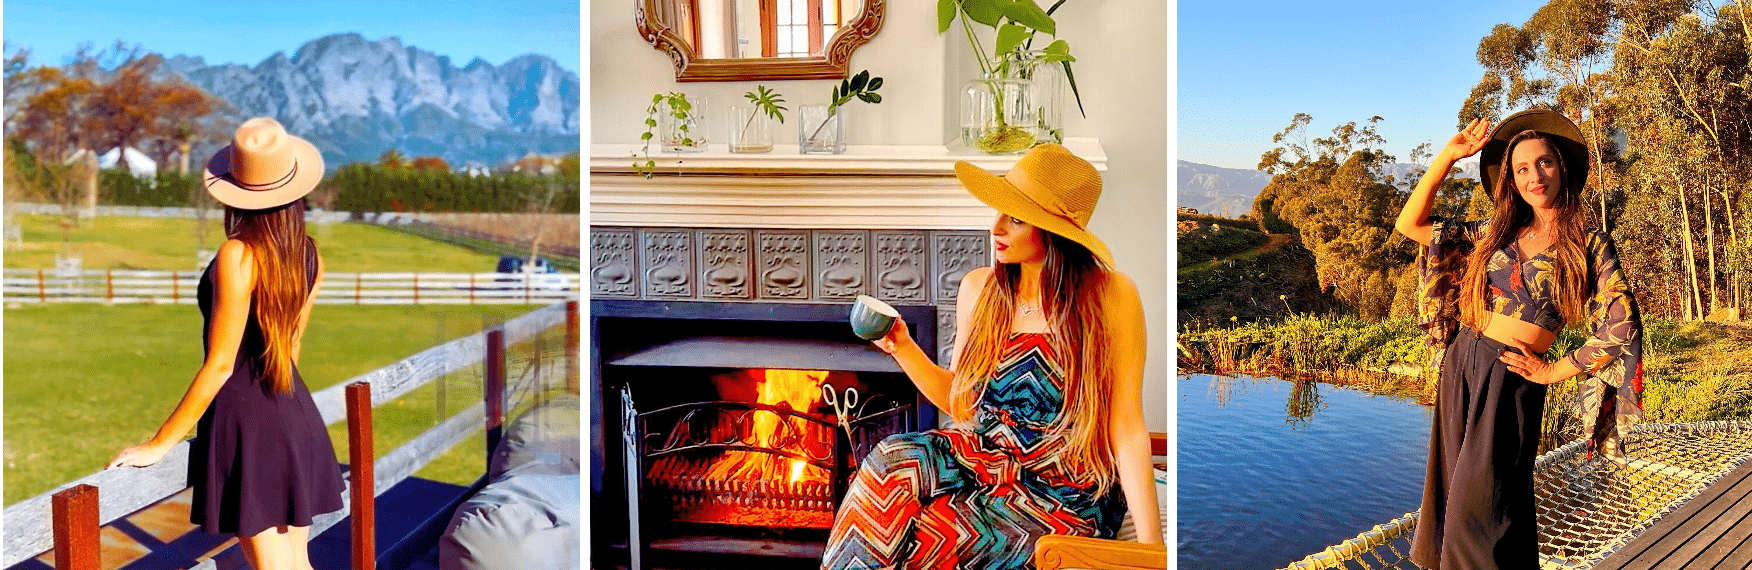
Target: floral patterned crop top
[1524, 288]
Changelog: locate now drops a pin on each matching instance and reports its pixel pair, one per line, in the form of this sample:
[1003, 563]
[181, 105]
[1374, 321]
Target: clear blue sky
[1245, 67]
[247, 32]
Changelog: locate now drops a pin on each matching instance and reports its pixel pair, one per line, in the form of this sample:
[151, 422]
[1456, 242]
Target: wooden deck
[160, 537]
[1710, 532]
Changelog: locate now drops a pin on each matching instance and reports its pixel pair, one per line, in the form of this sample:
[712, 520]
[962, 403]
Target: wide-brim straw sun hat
[1049, 188]
[1557, 127]
[263, 167]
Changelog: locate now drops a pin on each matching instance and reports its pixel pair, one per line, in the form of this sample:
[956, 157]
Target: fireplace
[719, 297]
[718, 437]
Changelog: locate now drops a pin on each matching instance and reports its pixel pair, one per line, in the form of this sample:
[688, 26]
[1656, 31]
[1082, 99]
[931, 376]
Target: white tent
[138, 163]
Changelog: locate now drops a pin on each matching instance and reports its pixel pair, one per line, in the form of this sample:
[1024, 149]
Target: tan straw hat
[1563, 132]
[263, 167]
[1049, 188]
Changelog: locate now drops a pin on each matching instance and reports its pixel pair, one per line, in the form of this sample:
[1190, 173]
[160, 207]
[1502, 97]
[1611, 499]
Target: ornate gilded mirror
[742, 40]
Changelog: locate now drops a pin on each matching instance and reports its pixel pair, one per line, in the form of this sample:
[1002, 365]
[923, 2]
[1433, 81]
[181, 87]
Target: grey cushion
[526, 521]
[527, 518]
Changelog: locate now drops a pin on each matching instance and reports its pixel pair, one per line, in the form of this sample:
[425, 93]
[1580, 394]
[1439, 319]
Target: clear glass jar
[751, 129]
[686, 132]
[819, 132]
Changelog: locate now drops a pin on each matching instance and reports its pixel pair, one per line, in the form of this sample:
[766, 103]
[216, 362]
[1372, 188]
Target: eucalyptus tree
[1335, 194]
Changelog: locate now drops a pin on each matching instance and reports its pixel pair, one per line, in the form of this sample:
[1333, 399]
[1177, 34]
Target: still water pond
[1271, 471]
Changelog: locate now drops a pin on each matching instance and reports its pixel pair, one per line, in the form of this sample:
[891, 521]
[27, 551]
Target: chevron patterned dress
[973, 498]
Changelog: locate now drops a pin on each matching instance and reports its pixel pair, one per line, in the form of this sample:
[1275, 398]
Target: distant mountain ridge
[355, 98]
[1230, 191]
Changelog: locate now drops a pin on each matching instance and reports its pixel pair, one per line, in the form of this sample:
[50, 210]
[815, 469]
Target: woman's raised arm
[1414, 219]
[236, 278]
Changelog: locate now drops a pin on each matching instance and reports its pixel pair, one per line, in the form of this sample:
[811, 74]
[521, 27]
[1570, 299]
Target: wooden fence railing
[67, 518]
[178, 287]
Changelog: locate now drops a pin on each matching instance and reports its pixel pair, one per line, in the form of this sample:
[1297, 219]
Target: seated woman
[1046, 393]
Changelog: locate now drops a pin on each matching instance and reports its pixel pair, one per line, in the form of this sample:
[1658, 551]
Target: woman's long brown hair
[276, 238]
[1072, 286]
[1511, 214]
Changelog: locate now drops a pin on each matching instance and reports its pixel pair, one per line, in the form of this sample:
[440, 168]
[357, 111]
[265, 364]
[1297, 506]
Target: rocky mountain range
[355, 98]
[1230, 192]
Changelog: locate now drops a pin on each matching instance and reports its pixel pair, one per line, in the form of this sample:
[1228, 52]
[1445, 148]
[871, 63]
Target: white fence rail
[178, 287]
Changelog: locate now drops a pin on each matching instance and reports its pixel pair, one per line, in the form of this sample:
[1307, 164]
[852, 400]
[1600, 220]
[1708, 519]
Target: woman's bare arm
[236, 277]
[1131, 437]
[304, 314]
[1414, 219]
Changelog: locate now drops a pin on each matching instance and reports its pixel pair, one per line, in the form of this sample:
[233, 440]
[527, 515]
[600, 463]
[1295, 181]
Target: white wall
[1121, 71]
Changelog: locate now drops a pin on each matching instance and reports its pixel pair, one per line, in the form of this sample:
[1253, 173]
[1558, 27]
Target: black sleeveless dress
[259, 460]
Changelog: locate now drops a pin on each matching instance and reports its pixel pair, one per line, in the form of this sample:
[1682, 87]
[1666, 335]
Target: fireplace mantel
[869, 187]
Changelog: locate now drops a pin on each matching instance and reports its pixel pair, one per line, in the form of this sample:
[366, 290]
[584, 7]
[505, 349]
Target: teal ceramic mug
[871, 318]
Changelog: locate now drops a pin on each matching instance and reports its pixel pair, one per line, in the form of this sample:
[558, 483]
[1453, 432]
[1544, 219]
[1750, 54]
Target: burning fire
[797, 389]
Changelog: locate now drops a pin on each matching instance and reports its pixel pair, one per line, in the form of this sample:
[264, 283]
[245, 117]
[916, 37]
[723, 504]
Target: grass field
[169, 243]
[83, 381]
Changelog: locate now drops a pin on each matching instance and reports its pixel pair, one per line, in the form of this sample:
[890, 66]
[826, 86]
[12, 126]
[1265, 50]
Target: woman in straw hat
[261, 464]
[1495, 294]
[1046, 391]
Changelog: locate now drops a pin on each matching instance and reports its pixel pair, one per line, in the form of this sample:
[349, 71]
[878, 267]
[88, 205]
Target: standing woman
[1046, 391]
[261, 463]
[1495, 294]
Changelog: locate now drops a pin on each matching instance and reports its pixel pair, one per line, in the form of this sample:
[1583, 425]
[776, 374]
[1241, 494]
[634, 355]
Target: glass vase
[1013, 110]
[682, 127]
[995, 115]
[820, 132]
[751, 129]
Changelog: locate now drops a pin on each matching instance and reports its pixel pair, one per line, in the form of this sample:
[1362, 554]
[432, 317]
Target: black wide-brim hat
[1562, 131]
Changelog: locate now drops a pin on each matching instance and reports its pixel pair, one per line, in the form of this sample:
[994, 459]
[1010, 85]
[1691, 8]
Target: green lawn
[83, 381]
[169, 243]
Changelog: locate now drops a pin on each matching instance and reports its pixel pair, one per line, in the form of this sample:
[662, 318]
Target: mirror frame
[834, 62]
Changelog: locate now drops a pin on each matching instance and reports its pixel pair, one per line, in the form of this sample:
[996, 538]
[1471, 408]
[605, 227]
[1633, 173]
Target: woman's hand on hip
[1529, 365]
[143, 455]
[1470, 140]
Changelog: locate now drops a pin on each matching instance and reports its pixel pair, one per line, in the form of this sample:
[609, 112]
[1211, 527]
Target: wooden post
[471, 288]
[175, 291]
[572, 344]
[363, 494]
[42, 293]
[109, 285]
[495, 389]
[416, 288]
[358, 285]
[74, 518]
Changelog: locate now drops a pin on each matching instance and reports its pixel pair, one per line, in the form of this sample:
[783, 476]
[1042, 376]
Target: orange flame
[798, 389]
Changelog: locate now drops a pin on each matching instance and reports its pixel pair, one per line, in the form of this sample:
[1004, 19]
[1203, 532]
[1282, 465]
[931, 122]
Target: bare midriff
[1516, 332]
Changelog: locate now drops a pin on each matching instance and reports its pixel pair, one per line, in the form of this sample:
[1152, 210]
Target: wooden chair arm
[1056, 552]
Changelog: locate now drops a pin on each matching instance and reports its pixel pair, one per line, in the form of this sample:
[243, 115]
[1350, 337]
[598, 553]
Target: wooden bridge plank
[1728, 510]
[1657, 546]
[1730, 549]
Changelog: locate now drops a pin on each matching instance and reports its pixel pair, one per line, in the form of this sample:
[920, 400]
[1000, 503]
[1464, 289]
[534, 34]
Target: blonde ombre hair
[1072, 286]
[276, 238]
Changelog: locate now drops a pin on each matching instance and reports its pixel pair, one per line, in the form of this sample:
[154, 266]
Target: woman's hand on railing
[143, 455]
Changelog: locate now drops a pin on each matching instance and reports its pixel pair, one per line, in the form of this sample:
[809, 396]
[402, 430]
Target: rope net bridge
[1587, 509]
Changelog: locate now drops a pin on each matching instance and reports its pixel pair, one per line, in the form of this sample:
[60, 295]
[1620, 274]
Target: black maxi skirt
[1478, 505]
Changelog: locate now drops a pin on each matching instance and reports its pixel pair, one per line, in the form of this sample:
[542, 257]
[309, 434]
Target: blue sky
[1245, 67]
[248, 32]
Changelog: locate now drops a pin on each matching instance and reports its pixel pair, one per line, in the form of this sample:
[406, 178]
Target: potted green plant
[1014, 104]
[678, 124]
[756, 132]
[820, 128]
